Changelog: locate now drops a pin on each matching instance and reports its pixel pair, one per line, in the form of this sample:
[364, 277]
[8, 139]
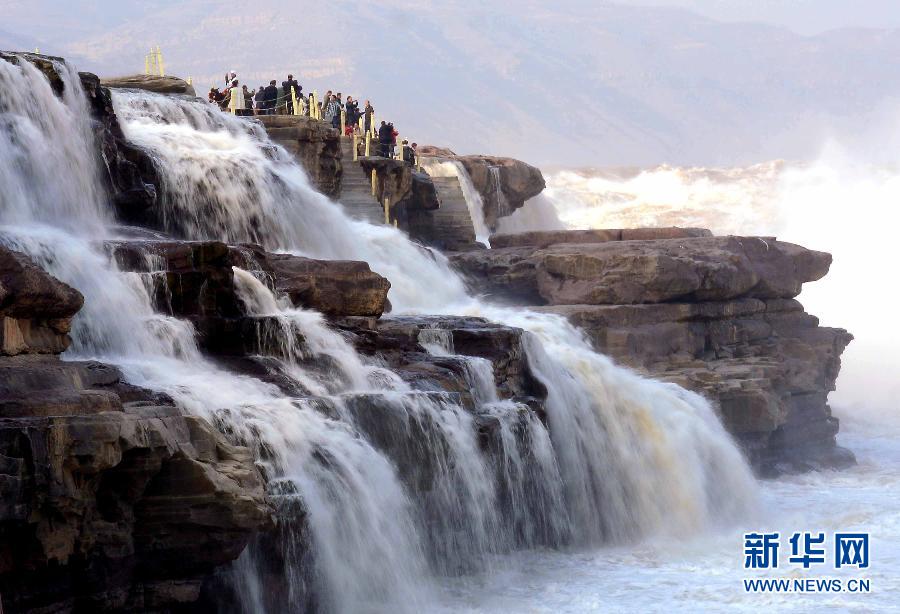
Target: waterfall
[501, 201]
[354, 502]
[474, 202]
[637, 456]
[379, 487]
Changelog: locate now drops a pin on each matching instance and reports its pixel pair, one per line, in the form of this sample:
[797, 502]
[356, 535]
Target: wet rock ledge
[112, 499]
[717, 315]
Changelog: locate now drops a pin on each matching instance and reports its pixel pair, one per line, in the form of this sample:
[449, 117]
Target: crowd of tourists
[274, 100]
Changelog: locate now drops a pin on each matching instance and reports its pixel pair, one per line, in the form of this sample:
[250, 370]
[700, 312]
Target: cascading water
[391, 484]
[626, 467]
[474, 202]
[501, 202]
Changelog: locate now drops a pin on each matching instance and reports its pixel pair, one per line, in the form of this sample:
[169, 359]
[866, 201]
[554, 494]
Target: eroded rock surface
[314, 144]
[112, 499]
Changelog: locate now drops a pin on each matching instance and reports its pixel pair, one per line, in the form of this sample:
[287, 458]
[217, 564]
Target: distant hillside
[572, 83]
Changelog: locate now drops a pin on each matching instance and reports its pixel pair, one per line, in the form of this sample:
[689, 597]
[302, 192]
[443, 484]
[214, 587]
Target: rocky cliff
[714, 314]
[112, 499]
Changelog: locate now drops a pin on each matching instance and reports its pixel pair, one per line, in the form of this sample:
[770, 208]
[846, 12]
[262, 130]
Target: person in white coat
[236, 103]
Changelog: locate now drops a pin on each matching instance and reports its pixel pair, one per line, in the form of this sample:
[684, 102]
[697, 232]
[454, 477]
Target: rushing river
[706, 574]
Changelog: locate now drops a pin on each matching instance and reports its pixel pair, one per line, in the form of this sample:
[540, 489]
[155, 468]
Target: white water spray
[621, 485]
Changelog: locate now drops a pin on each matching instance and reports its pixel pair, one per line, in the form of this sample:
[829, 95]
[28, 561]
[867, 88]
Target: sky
[561, 82]
[802, 16]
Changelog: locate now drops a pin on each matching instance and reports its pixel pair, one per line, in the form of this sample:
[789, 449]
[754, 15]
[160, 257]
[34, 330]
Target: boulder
[519, 181]
[195, 279]
[433, 151]
[333, 287]
[151, 83]
[36, 309]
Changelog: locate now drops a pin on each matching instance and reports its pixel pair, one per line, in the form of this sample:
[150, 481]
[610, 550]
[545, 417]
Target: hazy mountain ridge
[627, 85]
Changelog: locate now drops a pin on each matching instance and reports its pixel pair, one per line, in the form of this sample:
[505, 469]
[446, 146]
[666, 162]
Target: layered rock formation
[714, 314]
[314, 144]
[112, 499]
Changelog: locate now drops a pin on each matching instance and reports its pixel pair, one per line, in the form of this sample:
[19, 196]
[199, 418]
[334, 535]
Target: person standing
[369, 114]
[327, 108]
[248, 101]
[271, 97]
[334, 112]
[260, 100]
[352, 115]
[287, 85]
[235, 99]
[385, 136]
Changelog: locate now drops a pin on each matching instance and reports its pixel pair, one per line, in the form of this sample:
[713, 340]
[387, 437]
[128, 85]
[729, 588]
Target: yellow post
[314, 105]
[343, 122]
[374, 182]
[162, 70]
[294, 100]
[355, 148]
[387, 211]
[368, 144]
[36, 50]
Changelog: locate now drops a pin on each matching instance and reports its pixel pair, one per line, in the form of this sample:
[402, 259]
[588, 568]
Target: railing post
[294, 100]
[368, 144]
[374, 182]
[387, 211]
[162, 70]
[355, 149]
[343, 122]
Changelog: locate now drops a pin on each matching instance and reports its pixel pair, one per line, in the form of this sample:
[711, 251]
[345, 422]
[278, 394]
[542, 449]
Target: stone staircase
[356, 188]
[452, 220]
